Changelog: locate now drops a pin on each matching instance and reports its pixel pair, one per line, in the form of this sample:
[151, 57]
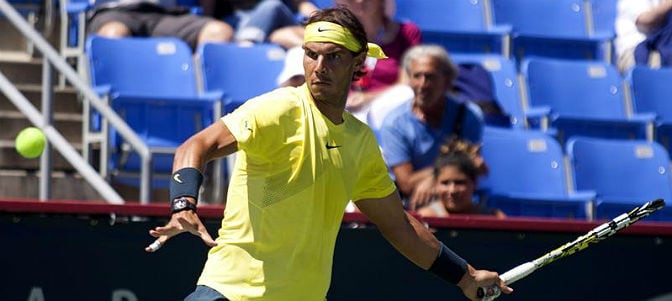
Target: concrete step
[14, 42]
[25, 184]
[20, 71]
[65, 99]
[10, 159]
[68, 124]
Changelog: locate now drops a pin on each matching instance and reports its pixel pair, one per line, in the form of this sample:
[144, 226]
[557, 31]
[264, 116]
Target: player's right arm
[411, 238]
[211, 143]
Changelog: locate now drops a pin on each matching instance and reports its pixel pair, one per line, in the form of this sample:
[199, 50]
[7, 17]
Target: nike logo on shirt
[332, 146]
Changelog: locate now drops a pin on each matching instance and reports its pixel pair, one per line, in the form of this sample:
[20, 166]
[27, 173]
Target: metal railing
[43, 120]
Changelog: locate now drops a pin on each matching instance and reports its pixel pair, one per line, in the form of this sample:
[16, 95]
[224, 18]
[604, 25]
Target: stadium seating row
[580, 97]
[591, 178]
[571, 29]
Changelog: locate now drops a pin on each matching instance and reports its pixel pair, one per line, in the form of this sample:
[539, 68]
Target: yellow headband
[337, 34]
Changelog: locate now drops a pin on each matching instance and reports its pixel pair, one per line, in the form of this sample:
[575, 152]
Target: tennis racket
[593, 236]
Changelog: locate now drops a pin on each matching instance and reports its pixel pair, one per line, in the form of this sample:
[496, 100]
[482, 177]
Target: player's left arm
[411, 238]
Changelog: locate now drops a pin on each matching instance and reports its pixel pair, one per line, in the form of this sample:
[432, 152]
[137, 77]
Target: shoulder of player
[280, 100]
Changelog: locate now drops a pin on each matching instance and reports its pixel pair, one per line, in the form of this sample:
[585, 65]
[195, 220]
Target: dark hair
[341, 15]
[462, 160]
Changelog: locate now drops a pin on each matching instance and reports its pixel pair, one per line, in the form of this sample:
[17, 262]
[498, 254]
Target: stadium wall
[70, 251]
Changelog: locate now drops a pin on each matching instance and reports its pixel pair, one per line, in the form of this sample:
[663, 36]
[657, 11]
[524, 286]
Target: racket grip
[511, 276]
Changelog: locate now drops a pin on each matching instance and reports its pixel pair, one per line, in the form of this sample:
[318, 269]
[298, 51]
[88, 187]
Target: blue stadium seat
[507, 89]
[240, 72]
[557, 28]
[585, 97]
[73, 22]
[323, 3]
[650, 90]
[624, 173]
[528, 176]
[458, 25]
[152, 84]
[604, 16]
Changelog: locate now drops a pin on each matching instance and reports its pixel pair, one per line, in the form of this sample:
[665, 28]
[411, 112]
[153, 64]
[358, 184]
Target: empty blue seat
[151, 84]
[507, 89]
[240, 72]
[623, 173]
[458, 25]
[585, 98]
[557, 28]
[528, 176]
[323, 3]
[650, 90]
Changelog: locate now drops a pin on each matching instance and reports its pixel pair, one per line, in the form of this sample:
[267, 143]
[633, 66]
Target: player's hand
[473, 279]
[183, 221]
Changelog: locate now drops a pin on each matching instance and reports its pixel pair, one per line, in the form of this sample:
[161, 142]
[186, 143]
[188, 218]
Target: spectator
[292, 74]
[456, 174]
[381, 75]
[154, 18]
[635, 21]
[257, 21]
[413, 133]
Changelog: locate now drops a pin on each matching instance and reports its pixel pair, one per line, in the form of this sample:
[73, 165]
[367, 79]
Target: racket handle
[511, 276]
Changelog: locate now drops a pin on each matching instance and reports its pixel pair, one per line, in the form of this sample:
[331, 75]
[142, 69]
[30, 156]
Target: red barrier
[215, 212]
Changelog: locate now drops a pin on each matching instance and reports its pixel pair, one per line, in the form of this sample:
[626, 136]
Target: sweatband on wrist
[185, 182]
[448, 265]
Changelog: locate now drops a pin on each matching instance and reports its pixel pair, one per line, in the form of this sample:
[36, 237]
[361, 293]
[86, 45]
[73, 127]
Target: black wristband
[449, 266]
[185, 182]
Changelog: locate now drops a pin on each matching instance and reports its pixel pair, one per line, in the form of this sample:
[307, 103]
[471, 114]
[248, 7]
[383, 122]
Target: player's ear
[359, 60]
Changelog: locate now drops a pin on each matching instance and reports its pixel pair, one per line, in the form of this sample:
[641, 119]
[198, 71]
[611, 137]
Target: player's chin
[320, 90]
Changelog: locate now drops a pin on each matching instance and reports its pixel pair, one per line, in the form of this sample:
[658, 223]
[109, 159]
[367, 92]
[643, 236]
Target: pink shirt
[386, 71]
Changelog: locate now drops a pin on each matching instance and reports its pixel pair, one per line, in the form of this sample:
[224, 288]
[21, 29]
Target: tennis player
[300, 158]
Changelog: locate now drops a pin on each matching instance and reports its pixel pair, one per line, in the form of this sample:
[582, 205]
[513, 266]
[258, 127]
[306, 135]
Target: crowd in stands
[410, 99]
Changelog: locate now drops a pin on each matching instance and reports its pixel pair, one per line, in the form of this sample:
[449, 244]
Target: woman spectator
[456, 173]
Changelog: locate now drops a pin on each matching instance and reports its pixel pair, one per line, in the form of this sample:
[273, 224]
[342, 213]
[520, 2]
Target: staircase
[19, 177]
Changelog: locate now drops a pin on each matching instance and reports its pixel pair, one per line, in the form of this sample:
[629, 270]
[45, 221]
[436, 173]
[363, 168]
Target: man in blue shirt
[412, 133]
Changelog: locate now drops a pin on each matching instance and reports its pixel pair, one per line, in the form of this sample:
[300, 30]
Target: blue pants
[259, 22]
[204, 293]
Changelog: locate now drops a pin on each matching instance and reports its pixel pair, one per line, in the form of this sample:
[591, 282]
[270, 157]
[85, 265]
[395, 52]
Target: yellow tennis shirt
[293, 177]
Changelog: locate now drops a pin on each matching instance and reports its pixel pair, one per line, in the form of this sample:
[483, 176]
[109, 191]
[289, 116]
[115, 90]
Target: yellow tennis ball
[30, 142]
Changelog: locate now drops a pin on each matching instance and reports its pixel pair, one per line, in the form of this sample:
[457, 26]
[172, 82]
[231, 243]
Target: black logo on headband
[320, 29]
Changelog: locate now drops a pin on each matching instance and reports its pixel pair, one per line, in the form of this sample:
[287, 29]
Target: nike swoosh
[332, 146]
[176, 177]
[320, 29]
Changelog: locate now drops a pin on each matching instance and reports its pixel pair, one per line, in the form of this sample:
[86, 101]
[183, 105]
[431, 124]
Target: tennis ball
[30, 142]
